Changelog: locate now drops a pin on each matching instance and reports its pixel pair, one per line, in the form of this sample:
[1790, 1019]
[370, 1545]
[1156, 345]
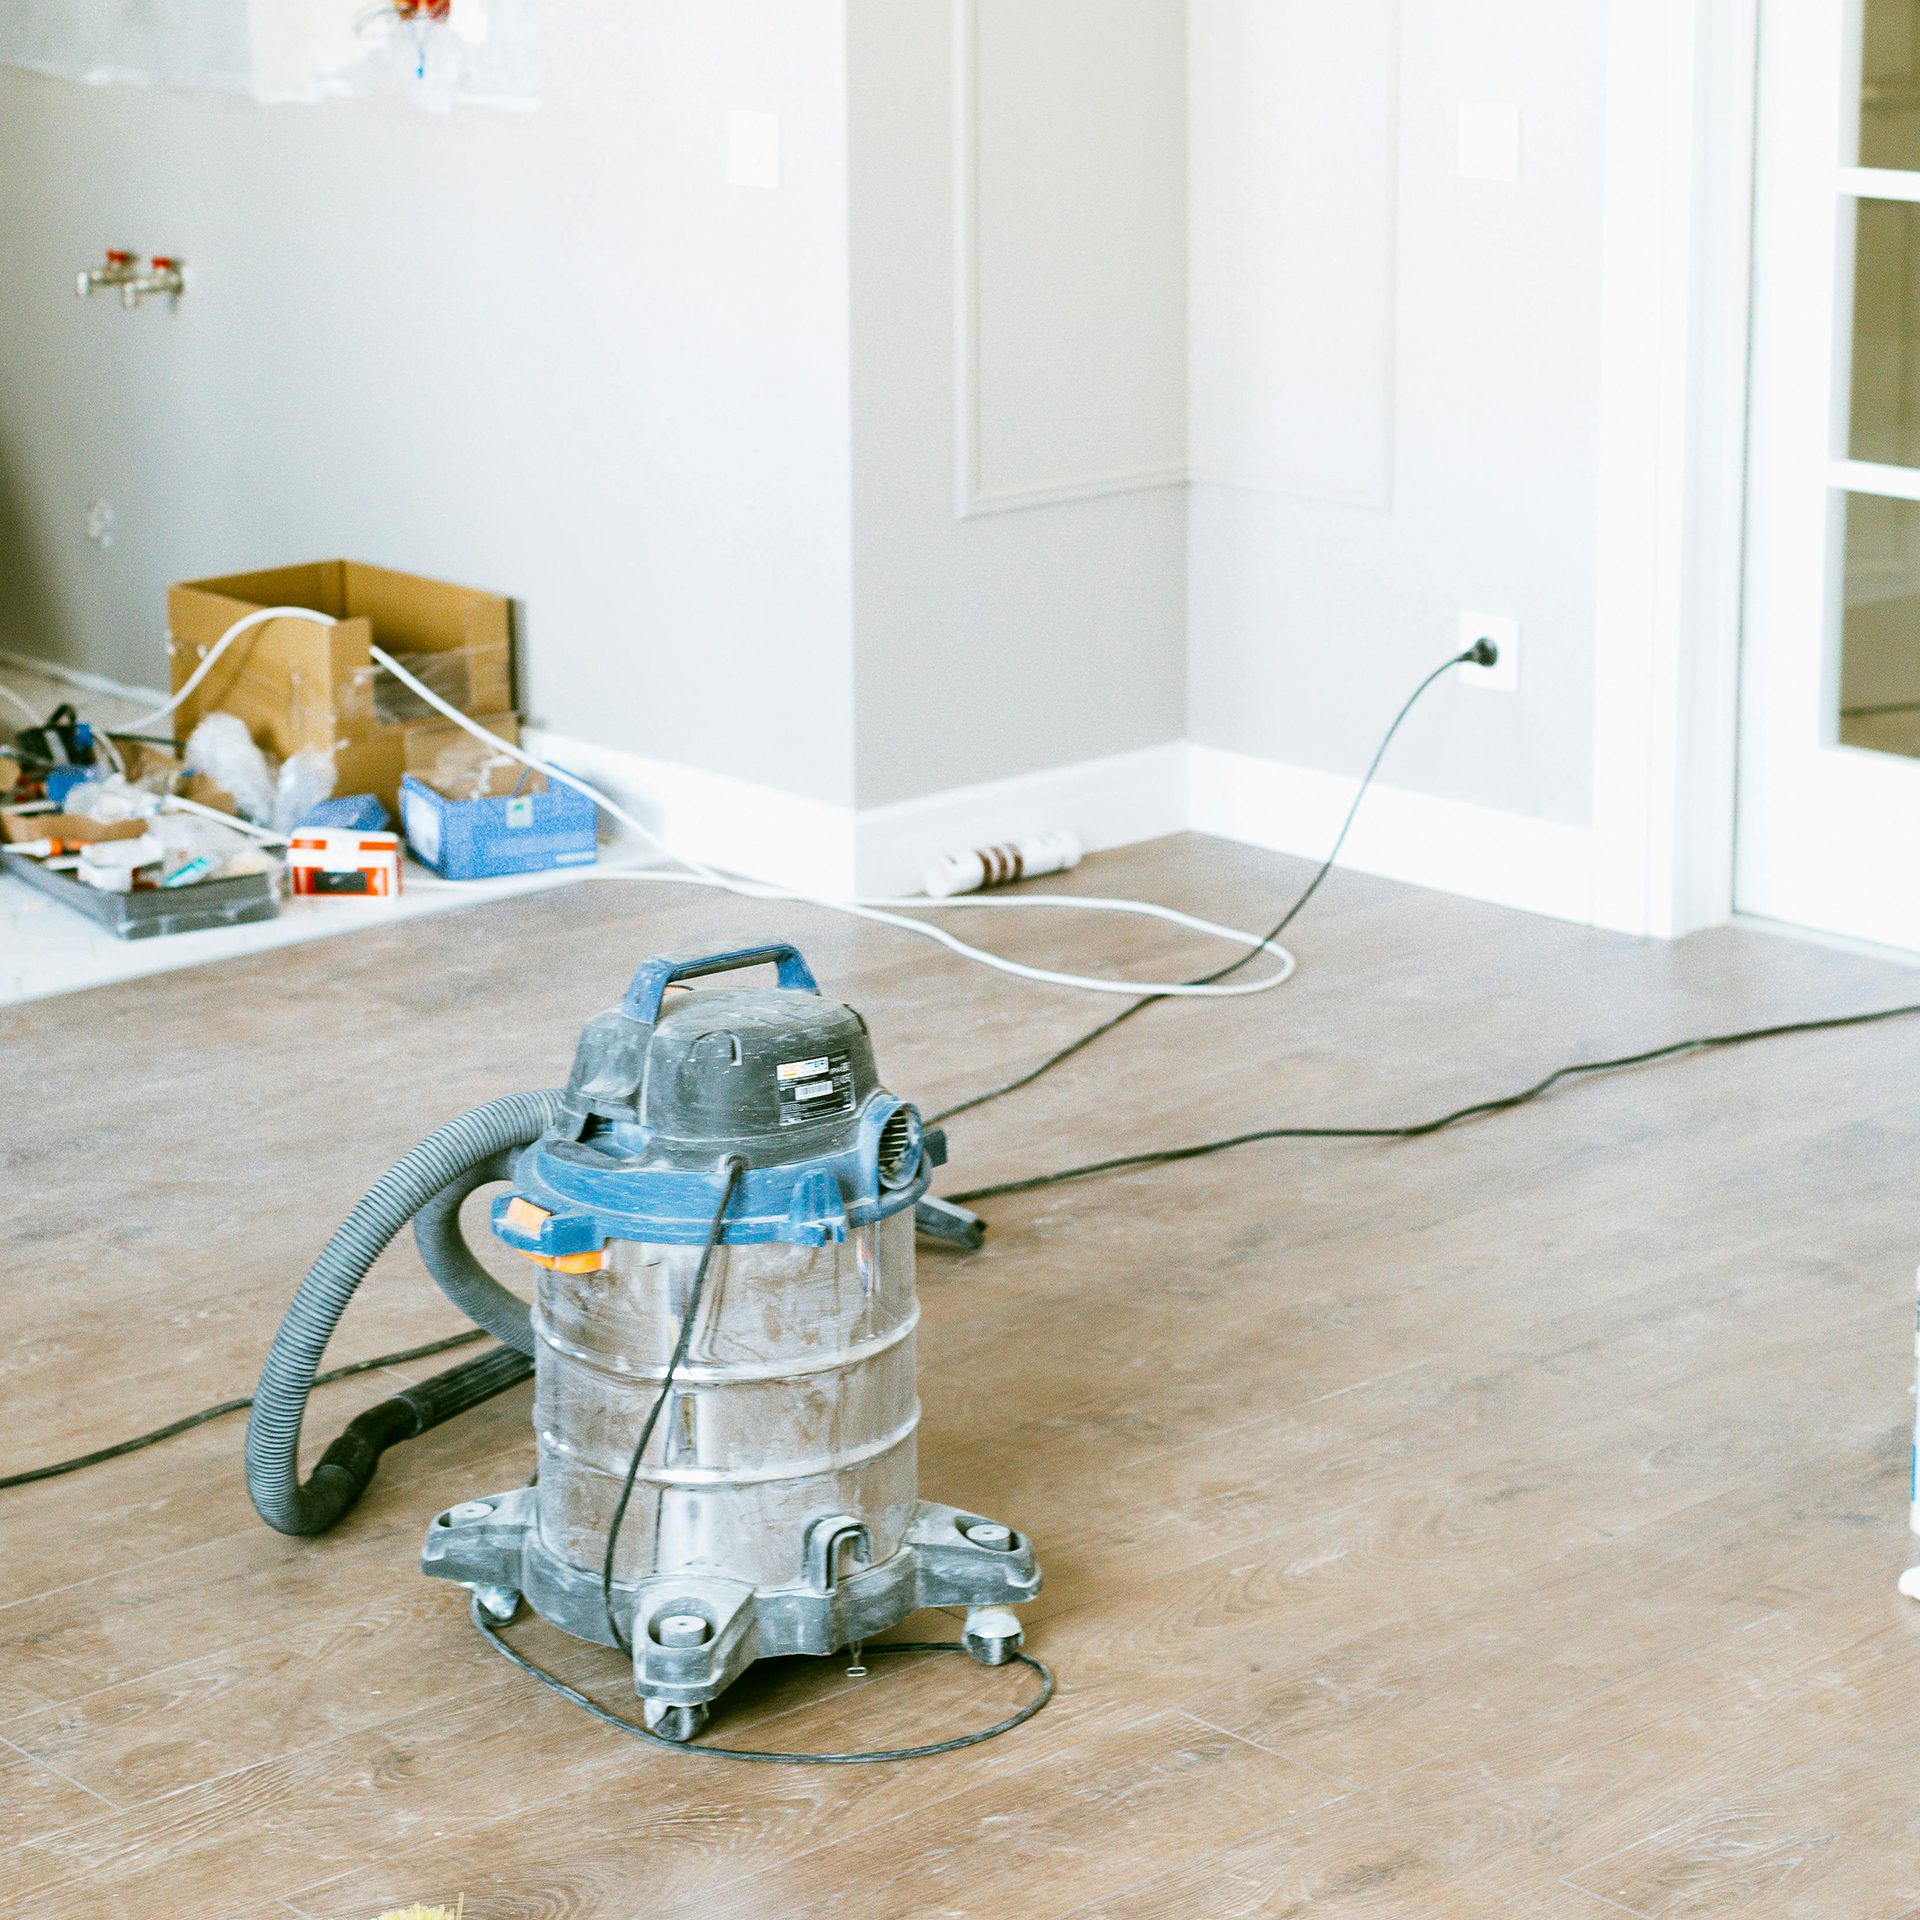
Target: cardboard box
[20, 829]
[297, 684]
[163, 772]
[449, 757]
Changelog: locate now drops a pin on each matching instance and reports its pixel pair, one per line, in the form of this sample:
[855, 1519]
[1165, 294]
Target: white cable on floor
[244, 624]
[19, 705]
[877, 910]
[699, 874]
[865, 909]
[179, 803]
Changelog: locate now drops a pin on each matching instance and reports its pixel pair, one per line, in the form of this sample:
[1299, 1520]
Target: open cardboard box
[16, 828]
[458, 767]
[298, 684]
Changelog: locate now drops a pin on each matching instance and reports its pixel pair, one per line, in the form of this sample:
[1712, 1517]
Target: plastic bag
[111, 798]
[303, 782]
[263, 790]
[221, 748]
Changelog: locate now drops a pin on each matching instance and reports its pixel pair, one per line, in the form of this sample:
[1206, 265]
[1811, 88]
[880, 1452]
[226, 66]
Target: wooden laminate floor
[1506, 1523]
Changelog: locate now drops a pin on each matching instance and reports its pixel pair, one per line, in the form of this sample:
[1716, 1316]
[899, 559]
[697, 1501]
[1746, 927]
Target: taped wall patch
[475, 51]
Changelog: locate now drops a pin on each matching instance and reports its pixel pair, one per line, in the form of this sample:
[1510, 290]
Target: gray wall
[1023, 636]
[554, 354]
[1396, 387]
[709, 436]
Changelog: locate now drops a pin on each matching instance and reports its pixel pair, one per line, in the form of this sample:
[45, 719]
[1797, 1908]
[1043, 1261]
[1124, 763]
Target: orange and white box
[333, 860]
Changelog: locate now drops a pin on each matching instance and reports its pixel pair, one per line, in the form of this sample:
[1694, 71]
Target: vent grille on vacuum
[899, 1155]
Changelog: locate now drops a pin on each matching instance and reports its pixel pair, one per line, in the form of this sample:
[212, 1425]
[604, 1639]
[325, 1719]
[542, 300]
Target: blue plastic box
[358, 812]
[534, 825]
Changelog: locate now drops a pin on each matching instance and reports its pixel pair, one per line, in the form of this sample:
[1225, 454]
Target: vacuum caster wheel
[994, 1652]
[501, 1605]
[673, 1722]
[993, 1635]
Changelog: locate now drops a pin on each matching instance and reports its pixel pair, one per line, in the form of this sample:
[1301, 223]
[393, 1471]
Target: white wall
[1018, 250]
[1396, 381]
[553, 353]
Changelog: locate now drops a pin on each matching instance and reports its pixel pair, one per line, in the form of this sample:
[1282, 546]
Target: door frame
[1818, 808]
[1682, 80]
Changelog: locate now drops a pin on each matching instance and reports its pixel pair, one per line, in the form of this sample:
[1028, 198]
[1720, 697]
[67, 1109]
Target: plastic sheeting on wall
[482, 51]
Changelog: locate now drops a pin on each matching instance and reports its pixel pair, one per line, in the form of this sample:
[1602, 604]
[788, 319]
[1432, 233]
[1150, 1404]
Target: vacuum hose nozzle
[408, 1415]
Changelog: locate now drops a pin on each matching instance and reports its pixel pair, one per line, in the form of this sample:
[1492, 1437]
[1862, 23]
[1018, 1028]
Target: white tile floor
[46, 948]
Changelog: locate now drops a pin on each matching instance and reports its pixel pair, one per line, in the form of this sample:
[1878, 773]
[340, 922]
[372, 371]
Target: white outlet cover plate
[753, 149]
[1489, 140]
[1504, 675]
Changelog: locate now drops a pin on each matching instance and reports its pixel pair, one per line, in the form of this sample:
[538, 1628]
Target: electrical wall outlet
[1504, 675]
[753, 150]
[1489, 140]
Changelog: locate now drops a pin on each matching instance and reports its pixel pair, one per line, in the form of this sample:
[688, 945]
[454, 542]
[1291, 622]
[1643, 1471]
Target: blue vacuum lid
[664, 1091]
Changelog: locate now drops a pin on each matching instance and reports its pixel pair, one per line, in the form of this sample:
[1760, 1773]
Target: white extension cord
[245, 624]
[20, 706]
[883, 911]
[879, 910]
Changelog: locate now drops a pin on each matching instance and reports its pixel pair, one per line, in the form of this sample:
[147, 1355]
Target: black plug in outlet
[1483, 653]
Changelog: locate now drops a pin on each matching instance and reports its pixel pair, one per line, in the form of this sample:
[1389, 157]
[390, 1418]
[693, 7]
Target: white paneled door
[1829, 831]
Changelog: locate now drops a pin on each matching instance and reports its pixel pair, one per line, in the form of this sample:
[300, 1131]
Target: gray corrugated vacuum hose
[471, 1288]
[454, 1157]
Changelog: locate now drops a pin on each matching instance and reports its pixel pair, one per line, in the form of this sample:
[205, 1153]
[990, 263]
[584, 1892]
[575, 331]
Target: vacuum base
[693, 1633]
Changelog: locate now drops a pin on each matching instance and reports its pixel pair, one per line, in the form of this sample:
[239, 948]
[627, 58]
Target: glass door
[1829, 832]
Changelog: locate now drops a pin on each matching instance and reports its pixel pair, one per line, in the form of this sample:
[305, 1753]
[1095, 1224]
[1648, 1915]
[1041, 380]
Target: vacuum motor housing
[775, 1509]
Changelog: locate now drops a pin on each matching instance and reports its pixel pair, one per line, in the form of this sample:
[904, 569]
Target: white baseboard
[86, 682]
[817, 847]
[1111, 802]
[1447, 845]
[814, 846]
[735, 824]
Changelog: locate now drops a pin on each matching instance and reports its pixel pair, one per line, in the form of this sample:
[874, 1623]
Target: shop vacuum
[721, 1205]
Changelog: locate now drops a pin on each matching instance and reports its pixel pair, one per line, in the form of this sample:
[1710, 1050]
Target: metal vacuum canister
[775, 1508]
[797, 1399]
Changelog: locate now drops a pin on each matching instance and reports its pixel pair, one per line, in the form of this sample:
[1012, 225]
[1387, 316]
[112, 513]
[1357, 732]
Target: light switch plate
[753, 149]
[1504, 675]
[1489, 140]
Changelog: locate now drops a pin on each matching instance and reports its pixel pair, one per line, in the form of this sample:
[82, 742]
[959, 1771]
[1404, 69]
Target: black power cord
[774, 1757]
[1419, 1129]
[689, 1319]
[734, 1167]
[1160, 1157]
[200, 1419]
[1483, 653]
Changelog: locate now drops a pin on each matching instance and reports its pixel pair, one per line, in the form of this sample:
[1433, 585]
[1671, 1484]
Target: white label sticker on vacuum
[814, 1089]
